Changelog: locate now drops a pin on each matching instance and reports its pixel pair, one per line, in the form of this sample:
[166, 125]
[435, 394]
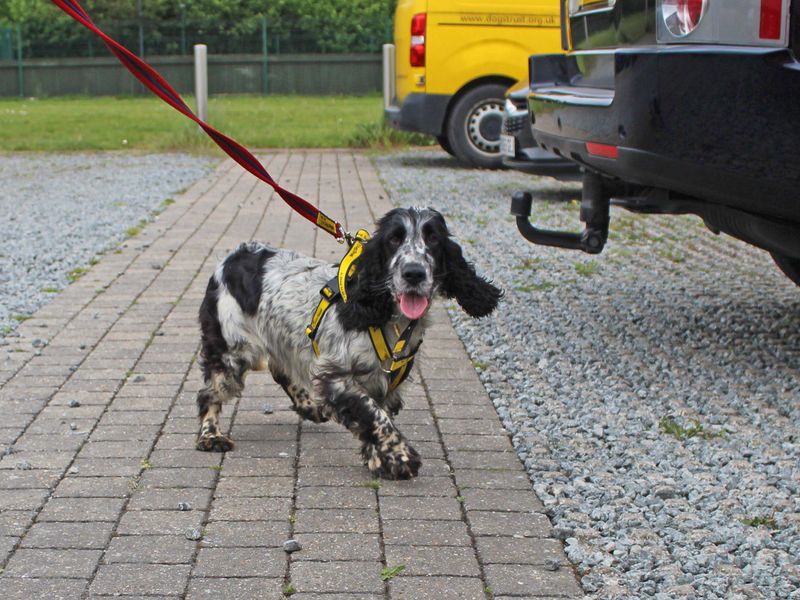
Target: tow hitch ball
[594, 213]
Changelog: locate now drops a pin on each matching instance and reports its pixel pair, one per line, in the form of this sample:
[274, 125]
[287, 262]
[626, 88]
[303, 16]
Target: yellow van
[452, 61]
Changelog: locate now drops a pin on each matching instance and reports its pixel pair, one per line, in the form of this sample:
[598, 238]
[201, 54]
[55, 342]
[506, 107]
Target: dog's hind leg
[220, 387]
[223, 374]
[302, 403]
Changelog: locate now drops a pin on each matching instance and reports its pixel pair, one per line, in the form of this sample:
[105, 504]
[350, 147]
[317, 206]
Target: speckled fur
[260, 300]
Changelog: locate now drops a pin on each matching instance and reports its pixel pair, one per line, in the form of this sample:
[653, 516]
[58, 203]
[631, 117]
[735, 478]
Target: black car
[677, 106]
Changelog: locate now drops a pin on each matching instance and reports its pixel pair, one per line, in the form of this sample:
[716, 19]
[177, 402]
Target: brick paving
[89, 496]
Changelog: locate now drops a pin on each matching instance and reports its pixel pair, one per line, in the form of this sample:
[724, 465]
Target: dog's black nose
[414, 273]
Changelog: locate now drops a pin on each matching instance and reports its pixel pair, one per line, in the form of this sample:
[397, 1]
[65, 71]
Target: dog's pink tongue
[413, 305]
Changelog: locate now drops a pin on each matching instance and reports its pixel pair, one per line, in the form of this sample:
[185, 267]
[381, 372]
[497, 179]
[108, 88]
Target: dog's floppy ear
[477, 296]
[369, 301]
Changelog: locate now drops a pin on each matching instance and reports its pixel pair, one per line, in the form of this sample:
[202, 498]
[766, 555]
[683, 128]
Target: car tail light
[682, 16]
[770, 25]
[418, 23]
[602, 150]
[761, 23]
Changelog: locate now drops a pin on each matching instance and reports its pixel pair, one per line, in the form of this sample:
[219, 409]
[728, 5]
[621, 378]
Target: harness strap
[161, 88]
[347, 268]
[336, 289]
[329, 295]
[400, 367]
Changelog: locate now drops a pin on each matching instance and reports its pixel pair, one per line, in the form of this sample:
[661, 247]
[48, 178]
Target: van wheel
[474, 126]
[789, 266]
[445, 144]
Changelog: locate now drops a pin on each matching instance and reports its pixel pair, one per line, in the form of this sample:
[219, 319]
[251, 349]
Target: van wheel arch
[481, 98]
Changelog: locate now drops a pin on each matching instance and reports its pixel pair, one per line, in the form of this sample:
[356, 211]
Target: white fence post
[389, 69]
[201, 80]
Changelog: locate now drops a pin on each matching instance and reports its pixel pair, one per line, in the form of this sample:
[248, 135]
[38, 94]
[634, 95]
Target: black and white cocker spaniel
[260, 300]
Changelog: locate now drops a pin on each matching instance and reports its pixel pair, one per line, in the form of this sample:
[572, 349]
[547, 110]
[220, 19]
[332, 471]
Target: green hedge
[228, 26]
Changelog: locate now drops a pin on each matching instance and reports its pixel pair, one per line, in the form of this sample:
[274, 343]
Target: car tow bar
[595, 201]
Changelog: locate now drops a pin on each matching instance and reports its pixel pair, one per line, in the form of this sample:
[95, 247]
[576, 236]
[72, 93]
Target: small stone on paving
[193, 534]
[552, 564]
[290, 546]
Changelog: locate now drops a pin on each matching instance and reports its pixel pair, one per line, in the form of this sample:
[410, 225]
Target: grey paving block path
[89, 496]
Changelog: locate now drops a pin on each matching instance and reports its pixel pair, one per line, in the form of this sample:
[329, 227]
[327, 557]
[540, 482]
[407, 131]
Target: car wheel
[475, 124]
[445, 144]
[789, 266]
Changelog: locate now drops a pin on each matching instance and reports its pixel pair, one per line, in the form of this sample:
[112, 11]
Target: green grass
[147, 124]
[671, 427]
[135, 230]
[761, 522]
[544, 286]
[76, 274]
[586, 269]
[391, 572]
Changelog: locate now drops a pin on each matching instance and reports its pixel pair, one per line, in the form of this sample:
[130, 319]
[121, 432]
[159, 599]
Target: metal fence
[244, 57]
[176, 38]
[315, 74]
[6, 44]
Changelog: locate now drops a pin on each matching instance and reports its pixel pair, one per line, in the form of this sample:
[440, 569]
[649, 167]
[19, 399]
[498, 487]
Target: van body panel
[407, 77]
[469, 40]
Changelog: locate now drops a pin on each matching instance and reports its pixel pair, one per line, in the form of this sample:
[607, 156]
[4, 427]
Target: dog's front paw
[214, 443]
[402, 462]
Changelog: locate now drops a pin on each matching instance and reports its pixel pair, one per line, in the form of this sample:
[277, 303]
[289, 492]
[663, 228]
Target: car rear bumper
[423, 113]
[528, 156]
[715, 123]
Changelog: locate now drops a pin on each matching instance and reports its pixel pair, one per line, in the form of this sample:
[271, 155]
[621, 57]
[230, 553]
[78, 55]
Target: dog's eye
[431, 236]
[396, 238]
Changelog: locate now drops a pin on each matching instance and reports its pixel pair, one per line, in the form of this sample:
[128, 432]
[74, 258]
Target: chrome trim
[561, 96]
[581, 12]
[512, 111]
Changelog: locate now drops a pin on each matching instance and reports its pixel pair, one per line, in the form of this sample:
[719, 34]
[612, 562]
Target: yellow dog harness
[335, 289]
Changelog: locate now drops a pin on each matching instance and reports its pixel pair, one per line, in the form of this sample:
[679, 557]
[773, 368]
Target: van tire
[445, 144]
[474, 126]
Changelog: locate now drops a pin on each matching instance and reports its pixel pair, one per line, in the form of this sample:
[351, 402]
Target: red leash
[159, 86]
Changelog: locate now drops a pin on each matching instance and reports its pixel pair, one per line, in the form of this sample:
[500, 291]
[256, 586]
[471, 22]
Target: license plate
[507, 146]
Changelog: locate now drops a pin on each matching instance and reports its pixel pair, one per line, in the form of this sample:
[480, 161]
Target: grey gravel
[139, 379]
[184, 506]
[193, 534]
[73, 403]
[23, 465]
[73, 426]
[290, 546]
[267, 409]
[591, 361]
[57, 211]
